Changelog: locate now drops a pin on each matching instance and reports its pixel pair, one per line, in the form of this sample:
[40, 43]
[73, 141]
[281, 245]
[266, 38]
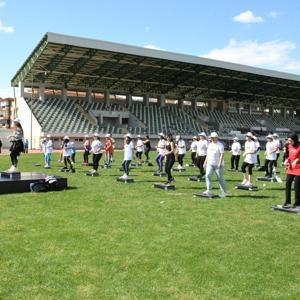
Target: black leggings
[258, 159]
[14, 154]
[138, 154]
[199, 163]
[193, 157]
[125, 166]
[288, 186]
[86, 156]
[269, 167]
[67, 161]
[235, 159]
[180, 159]
[277, 156]
[96, 159]
[169, 164]
[250, 167]
[147, 150]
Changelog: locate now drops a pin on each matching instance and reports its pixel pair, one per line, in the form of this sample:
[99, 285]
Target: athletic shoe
[125, 176]
[207, 193]
[248, 184]
[223, 195]
[244, 182]
[172, 179]
[296, 207]
[286, 205]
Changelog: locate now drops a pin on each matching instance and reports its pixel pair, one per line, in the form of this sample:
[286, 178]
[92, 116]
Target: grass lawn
[106, 240]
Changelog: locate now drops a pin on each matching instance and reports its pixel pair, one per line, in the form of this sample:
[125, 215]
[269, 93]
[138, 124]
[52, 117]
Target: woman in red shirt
[293, 170]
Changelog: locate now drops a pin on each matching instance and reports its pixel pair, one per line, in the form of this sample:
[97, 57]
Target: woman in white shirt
[270, 154]
[202, 145]
[48, 151]
[67, 153]
[161, 149]
[235, 154]
[181, 150]
[193, 149]
[276, 142]
[214, 163]
[96, 148]
[128, 155]
[139, 148]
[249, 159]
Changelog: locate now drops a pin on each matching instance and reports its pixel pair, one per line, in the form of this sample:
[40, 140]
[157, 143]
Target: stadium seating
[72, 116]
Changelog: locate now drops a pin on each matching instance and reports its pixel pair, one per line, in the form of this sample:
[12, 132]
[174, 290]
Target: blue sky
[260, 33]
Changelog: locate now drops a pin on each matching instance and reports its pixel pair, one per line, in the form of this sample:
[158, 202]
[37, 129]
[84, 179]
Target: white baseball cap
[138, 136]
[249, 134]
[96, 134]
[177, 137]
[270, 136]
[275, 135]
[48, 136]
[235, 138]
[128, 135]
[107, 135]
[202, 134]
[194, 137]
[17, 120]
[66, 138]
[161, 134]
[214, 135]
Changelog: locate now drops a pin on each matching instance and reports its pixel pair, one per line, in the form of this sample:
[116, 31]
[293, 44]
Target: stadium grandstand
[77, 86]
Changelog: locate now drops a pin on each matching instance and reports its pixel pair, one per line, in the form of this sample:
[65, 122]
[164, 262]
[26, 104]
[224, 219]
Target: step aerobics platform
[195, 178]
[21, 184]
[179, 170]
[246, 188]
[269, 179]
[287, 210]
[159, 174]
[163, 186]
[127, 180]
[205, 196]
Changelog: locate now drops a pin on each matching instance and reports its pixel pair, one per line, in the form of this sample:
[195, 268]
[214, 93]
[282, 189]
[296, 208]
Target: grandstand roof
[81, 63]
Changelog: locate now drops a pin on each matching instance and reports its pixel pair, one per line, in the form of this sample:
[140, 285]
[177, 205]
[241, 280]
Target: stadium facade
[77, 86]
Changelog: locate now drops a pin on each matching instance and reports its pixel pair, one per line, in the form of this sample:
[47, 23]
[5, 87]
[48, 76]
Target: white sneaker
[248, 184]
[244, 182]
[125, 176]
[12, 169]
[223, 195]
[207, 193]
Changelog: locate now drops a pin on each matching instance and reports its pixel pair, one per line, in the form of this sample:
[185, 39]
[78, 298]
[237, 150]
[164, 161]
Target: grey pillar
[271, 111]
[128, 100]
[21, 89]
[146, 100]
[42, 91]
[209, 105]
[89, 95]
[162, 100]
[107, 97]
[64, 94]
[194, 104]
[283, 112]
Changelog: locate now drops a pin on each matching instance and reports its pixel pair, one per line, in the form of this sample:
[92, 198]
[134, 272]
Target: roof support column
[107, 97]
[42, 91]
[89, 95]
[194, 104]
[162, 100]
[180, 103]
[209, 105]
[64, 94]
[146, 100]
[271, 111]
[283, 112]
[21, 89]
[128, 100]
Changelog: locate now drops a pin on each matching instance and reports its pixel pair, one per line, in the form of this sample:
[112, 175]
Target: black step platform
[136, 164]
[246, 188]
[190, 165]
[10, 175]
[163, 186]
[268, 179]
[22, 184]
[288, 210]
[194, 178]
[179, 170]
[205, 196]
[159, 174]
[128, 180]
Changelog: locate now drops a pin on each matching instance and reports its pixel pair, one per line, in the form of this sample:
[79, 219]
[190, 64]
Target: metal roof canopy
[80, 63]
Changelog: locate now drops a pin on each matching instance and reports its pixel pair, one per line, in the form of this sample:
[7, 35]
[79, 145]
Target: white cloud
[273, 54]
[2, 3]
[6, 28]
[154, 47]
[248, 17]
[273, 14]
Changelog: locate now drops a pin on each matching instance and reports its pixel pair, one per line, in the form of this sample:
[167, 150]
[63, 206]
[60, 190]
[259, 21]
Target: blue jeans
[159, 161]
[219, 172]
[48, 158]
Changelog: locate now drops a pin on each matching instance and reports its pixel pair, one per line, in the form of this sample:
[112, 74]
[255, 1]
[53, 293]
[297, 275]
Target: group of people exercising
[207, 153]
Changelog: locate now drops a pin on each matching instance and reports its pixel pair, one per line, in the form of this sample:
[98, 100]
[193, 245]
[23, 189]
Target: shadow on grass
[72, 188]
[249, 196]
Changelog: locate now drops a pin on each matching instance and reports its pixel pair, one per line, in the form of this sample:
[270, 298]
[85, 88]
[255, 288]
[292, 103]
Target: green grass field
[106, 240]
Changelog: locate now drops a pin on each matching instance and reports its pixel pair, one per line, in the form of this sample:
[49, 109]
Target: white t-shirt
[139, 146]
[270, 147]
[48, 147]
[202, 147]
[43, 146]
[250, 147]
[181, 147]
[128, 151]
[257, 145]
[214, 152]
[194, 146]
[68, 149]
[161, 147]
[236, 148]
[277, 145]
[96, 146]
